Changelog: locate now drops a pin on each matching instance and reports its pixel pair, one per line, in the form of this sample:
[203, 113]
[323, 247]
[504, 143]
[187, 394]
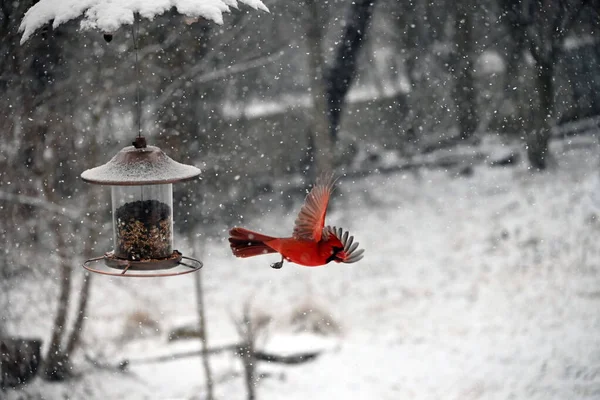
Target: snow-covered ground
[480, 287]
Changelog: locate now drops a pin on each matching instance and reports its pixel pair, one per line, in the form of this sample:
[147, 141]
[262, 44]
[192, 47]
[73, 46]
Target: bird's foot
[277, 265]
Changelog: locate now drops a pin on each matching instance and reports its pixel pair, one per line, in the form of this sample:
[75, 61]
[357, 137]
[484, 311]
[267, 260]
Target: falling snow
[465, 140]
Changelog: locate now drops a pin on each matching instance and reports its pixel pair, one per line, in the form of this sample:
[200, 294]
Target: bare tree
[33, 77]
[415, 39]
[251, 328]
[462, 68]
[91, 238]
[340, 76]
[246, 351]
[547, 24]
[437, 44]
[42, 62]
[514, 19]
[56, 365]
[208, 377]
[319, 130]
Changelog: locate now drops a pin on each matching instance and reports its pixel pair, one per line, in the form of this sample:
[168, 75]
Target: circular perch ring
[146, 268]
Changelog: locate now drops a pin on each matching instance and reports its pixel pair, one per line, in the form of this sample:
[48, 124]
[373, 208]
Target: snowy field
[480, 287]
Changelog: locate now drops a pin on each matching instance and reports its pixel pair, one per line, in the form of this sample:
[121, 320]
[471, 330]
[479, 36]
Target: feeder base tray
[176, 264]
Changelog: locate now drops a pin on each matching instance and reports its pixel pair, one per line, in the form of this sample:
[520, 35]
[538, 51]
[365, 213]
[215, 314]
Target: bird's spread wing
[350, 253]
[311, 219]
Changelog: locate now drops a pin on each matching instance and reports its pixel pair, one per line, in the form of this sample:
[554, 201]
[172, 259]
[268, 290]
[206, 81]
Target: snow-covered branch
[108, 15]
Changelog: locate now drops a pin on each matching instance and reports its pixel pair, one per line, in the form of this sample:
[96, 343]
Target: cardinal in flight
[312, 243]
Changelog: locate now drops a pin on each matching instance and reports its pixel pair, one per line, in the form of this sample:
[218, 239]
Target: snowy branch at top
[109, 15]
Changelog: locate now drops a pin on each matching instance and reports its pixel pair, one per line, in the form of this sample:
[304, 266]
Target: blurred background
[464, 135]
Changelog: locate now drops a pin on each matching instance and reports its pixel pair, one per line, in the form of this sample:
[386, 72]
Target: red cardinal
[312, 243]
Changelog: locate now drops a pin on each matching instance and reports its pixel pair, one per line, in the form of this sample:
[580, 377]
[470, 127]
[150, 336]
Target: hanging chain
[135, 33]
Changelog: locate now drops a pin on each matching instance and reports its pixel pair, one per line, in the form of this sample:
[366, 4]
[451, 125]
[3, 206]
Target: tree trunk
[249, 362]
[56, 365]
[203, 333]
[80, 314]
[247, 331]
[322, 151]
[338, 79]
[415, 40]
[549, 23]
[464, 88]
[511, 111]
[538, 139]
[19, 361]
[44, 66]
[84, 294]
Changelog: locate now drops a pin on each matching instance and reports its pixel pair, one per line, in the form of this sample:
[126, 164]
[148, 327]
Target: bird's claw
[277, 265]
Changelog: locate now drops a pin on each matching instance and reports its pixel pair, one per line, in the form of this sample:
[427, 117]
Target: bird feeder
[141, 178]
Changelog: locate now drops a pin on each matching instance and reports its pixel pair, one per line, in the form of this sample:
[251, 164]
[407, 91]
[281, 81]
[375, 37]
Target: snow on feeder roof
[108, 15]
[140, 165]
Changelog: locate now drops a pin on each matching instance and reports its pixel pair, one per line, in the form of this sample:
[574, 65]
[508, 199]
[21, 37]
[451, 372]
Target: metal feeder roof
[140, 165]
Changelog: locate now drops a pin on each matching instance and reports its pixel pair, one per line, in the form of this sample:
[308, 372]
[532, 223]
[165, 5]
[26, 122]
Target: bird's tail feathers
[246, 243]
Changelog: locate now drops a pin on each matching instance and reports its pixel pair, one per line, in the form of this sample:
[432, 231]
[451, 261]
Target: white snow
[490, 62]
[484, 287]
[109, 15]
[256, 108]
[119, 171]
[286, 344]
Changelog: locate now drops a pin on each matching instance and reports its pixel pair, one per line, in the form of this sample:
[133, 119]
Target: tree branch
[220, 73]
[235, 347]
[70, 212]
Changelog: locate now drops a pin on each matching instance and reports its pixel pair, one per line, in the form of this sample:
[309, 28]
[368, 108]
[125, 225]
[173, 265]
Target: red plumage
[245, 243]
[311, 244]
